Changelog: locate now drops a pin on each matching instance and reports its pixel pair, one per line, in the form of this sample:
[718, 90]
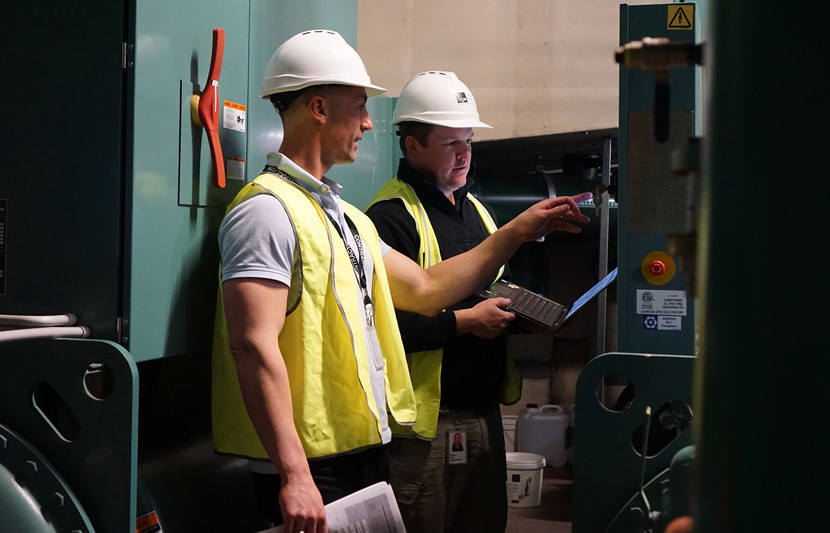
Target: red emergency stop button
[657, 267]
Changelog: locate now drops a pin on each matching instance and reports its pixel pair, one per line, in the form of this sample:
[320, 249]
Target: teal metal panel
[174, 209]
[76, 402]
[607, 465]
[647, 189]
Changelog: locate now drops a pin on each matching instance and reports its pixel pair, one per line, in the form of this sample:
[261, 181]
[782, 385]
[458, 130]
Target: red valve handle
[209, 107]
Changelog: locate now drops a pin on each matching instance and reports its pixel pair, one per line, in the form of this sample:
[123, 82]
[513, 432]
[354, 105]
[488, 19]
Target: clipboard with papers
[537, 312]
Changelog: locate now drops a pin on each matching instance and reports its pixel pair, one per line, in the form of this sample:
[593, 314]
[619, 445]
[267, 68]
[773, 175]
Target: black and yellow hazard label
[681, 17]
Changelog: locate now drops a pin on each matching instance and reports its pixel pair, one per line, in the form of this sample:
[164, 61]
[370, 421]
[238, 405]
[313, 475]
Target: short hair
[410, 128]
[282, 101]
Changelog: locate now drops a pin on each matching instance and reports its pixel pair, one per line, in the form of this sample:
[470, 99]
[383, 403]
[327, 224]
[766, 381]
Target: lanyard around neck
[356, 259]
[357, 263]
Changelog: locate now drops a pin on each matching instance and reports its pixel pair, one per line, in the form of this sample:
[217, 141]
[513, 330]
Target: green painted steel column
[762, 375]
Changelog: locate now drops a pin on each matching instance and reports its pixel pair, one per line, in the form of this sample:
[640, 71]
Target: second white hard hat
[439, 98]
[315, 57]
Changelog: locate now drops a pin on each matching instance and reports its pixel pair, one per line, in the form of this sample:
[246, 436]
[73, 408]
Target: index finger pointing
[583, 197]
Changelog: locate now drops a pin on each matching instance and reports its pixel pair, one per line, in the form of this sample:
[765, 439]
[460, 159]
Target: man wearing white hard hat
[308, 365]
[458, 358]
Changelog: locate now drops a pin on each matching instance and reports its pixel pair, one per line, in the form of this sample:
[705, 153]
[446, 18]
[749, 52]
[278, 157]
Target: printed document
[369, 510]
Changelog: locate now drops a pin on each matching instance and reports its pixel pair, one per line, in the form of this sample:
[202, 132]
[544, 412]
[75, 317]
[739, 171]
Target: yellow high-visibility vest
[425, 366]
[322, 341]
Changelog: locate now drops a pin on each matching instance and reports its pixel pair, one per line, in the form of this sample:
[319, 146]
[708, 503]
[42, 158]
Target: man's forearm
[456, 278]
[452, 280]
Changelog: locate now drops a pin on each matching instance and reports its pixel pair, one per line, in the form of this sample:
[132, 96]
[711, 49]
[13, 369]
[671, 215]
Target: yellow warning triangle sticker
[681, 17]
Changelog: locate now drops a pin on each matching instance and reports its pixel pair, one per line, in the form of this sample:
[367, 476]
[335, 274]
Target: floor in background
[553, 515]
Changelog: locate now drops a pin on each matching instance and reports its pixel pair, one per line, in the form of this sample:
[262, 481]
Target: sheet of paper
[369, 510]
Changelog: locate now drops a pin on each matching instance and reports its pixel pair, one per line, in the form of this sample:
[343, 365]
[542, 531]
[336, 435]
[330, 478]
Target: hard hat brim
[450, 123]
[371, 89]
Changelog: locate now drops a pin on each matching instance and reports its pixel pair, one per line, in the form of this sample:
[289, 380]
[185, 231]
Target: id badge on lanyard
[457, 446]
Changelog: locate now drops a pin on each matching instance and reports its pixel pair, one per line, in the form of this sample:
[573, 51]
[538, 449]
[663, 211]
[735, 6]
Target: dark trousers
[335, 477]
[437, 497]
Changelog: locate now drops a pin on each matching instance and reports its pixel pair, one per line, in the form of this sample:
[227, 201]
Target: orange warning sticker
[233, 117]
[148, 523]
[681, 17]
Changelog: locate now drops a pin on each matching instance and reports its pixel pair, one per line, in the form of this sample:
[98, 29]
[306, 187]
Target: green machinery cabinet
[656, 313]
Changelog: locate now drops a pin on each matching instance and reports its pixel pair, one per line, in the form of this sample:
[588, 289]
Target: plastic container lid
[525, 461]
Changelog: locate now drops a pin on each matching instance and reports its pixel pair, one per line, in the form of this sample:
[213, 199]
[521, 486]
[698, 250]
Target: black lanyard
[357, 264]
[357, 260]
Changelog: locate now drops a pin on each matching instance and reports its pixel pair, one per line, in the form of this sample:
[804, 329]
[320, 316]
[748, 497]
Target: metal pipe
[43, 333]
[33, 321]
[604, 219]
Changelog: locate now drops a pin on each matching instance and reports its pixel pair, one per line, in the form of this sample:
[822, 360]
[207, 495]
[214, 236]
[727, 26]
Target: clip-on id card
[457, 446]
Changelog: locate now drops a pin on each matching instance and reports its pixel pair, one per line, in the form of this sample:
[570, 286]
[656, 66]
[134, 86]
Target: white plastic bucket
[524, 479]
[508, 422]
[541, 430]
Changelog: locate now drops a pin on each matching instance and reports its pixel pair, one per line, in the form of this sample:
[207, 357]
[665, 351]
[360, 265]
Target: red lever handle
[209, 107]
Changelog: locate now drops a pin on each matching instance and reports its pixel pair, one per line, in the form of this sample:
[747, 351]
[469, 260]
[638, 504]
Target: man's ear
[318, 105]
[412, 144]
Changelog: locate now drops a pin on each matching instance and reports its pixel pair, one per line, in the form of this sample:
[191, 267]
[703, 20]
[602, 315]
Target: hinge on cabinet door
[122, 331]
[127, 59]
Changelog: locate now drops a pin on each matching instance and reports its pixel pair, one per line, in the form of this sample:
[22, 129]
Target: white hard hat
[438, 98]
[315, 57]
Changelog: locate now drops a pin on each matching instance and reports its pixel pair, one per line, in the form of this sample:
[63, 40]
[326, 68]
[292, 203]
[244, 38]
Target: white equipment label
[235, 168]
[653, 302]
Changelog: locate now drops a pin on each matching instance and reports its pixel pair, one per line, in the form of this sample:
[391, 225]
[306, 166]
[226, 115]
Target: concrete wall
[536, 67]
